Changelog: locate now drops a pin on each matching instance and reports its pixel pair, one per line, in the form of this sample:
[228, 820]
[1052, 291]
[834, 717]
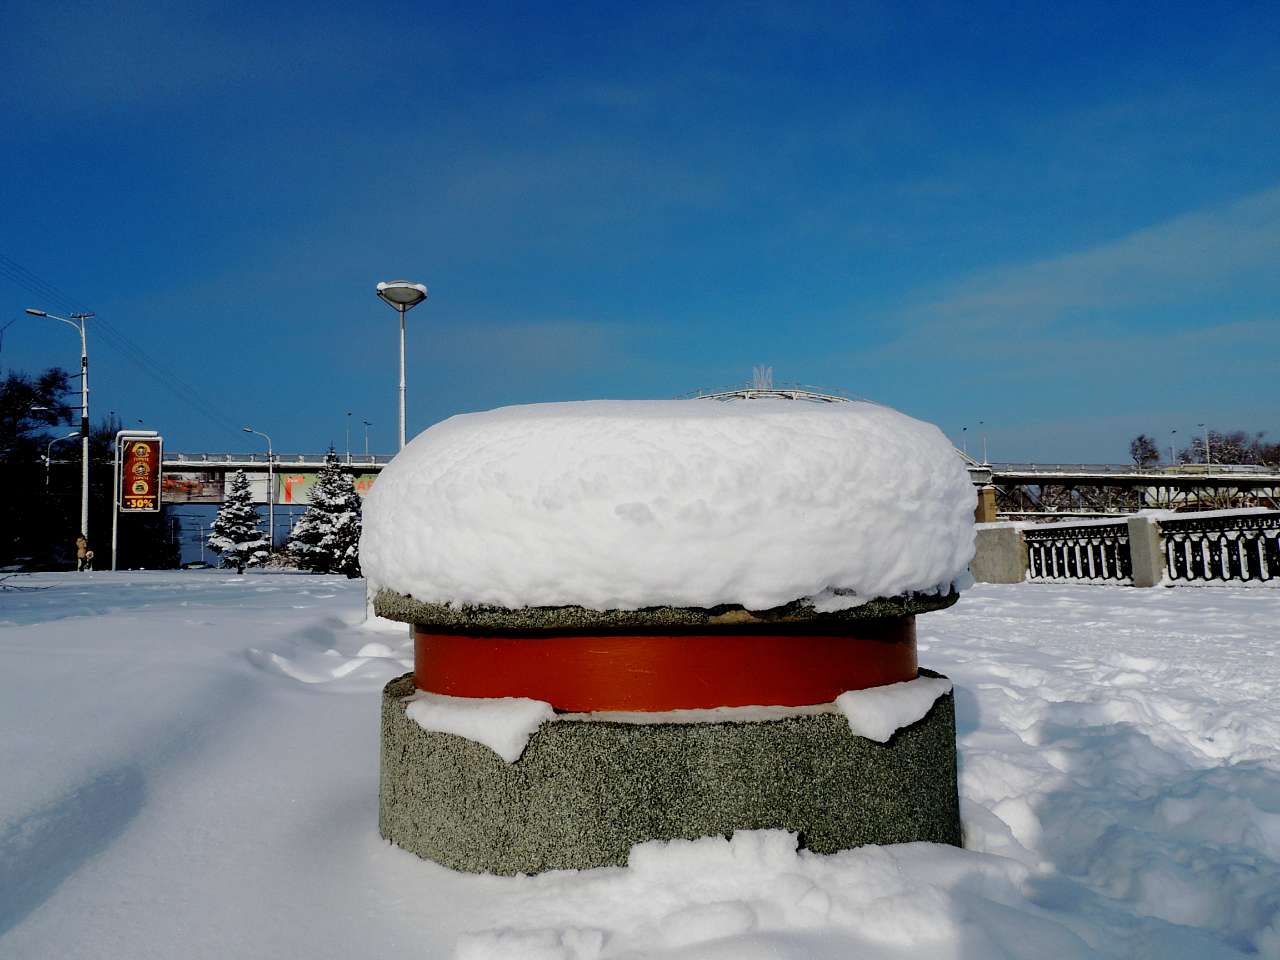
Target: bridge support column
[1146, 552]
[986, 511]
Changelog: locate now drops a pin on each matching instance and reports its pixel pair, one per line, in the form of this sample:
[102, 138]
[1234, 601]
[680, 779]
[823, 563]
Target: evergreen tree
[327, 538]
[236, 533]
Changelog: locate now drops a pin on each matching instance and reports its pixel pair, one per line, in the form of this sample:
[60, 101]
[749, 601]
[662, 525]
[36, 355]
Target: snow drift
[629, 504]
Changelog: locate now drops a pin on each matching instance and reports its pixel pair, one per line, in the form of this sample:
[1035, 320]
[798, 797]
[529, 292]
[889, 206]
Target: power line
[121, 342]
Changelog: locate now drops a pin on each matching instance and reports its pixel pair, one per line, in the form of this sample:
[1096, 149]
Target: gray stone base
[586, 790]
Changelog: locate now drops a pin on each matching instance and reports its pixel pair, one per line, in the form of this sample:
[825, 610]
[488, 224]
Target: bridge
[202, 477]
[1006, 490]
[1031, 490]
[1021, 490]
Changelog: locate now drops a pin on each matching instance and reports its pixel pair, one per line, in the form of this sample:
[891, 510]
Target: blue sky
[1061, 220]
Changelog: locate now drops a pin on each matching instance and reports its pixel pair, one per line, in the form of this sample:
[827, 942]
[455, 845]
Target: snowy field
[188, 769]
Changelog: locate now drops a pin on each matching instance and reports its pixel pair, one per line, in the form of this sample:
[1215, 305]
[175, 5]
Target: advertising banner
[364, 482]
[140, 474]
[259, 485]
[295, 488]
[197, 486]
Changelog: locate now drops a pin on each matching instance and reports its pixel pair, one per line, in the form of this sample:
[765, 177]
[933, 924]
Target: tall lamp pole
[403, 296]
[271, 487]
[77, 320]
[1206, 442]
[367, 425]
[1172, 459]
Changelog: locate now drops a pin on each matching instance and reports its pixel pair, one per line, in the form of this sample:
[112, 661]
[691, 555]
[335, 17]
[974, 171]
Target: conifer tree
[236, 534]
[327, 538]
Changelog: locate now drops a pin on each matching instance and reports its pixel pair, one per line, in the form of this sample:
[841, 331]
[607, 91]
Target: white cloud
[1186, 258]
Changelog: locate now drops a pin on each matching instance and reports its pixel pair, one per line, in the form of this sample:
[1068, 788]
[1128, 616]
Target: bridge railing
[1149, 549]
[1180, 469]
[1086, 551]
[281, 459]
[1234, 547]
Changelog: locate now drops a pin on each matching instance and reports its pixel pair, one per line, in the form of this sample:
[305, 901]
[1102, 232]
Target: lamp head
[36, 313]
[402, 294]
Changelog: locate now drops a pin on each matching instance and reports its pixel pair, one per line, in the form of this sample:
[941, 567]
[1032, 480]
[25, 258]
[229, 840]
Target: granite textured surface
[395, 606]
[585, 791]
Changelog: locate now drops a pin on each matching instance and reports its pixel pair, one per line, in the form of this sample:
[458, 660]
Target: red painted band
[664, 672]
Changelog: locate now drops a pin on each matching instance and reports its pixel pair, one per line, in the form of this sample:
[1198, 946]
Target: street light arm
[79, 326]
[260, 434]
[49, 445]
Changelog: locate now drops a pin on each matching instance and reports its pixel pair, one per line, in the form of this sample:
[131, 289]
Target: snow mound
[757, 896]
[325, 654]
[880, 712]
[503, 724]
[629, 504]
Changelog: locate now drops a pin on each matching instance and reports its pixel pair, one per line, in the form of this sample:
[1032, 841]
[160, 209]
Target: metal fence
[1087, 552]
[1222, 548]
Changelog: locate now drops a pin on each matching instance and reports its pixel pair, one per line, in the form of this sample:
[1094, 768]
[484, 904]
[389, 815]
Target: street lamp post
[77, 320]
[271, 487]
[1207, 459]
[348, 436]
[403, 296]
[367, 425]
[1172, 458]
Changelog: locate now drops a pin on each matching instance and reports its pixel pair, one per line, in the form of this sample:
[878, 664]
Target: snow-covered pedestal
[652, 620]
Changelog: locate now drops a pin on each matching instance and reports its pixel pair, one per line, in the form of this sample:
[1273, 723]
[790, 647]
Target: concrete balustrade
[1224, 546]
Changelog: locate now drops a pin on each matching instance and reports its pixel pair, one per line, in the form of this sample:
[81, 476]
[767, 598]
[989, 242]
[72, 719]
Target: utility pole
[77, 320]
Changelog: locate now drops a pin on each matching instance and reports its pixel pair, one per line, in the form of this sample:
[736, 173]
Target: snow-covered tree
[1143, 451]
[1235, 446]
[236, 534]
[327, 538]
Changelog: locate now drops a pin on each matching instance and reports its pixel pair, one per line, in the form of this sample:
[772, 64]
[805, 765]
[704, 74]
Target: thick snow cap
[622, 504]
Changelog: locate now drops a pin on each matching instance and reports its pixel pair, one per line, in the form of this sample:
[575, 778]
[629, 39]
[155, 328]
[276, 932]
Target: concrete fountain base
[586, 790]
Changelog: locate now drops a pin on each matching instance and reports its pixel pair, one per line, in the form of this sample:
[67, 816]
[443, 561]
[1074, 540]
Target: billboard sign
[296, 487]
[192, 486]
[140, 474]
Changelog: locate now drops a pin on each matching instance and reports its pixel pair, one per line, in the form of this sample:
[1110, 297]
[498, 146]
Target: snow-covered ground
[188, 768]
